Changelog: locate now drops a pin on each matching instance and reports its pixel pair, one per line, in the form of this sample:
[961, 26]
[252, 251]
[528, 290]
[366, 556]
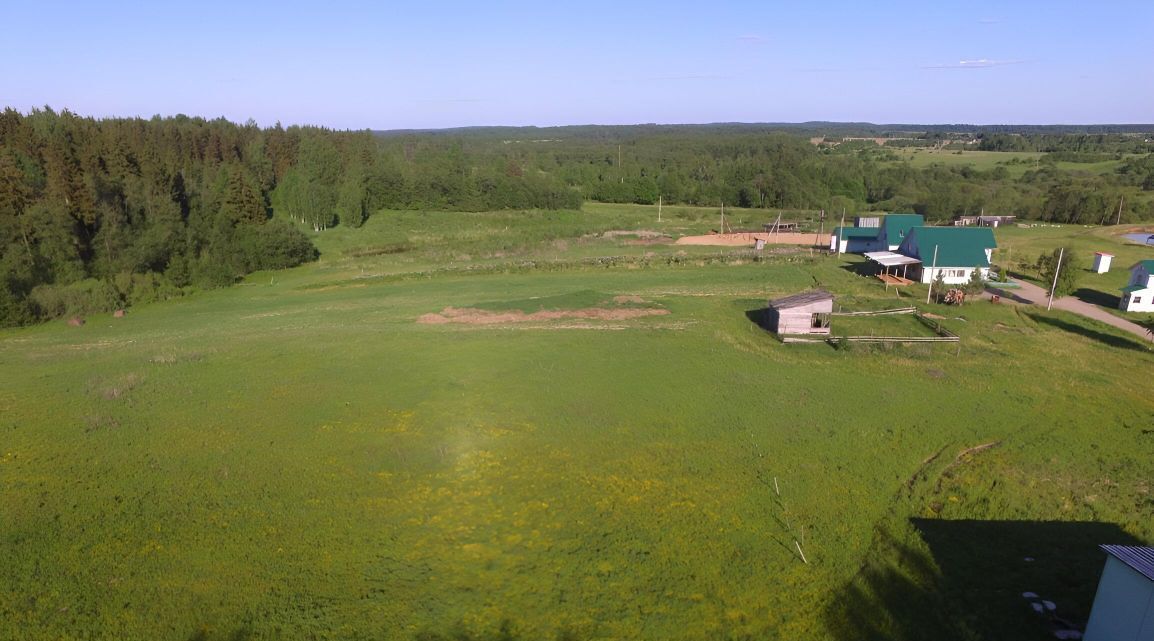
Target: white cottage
[1138, 295]
[953, 252]
[1124, 605]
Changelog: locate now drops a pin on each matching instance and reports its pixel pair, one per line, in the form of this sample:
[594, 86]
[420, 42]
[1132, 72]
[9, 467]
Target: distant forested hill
[780, 166]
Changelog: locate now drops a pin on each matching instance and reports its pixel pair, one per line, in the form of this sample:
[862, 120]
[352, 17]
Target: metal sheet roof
[1138, 557]
[957, 246]
[897, 226]
[890, 259]
[804, 298]
[855, 232]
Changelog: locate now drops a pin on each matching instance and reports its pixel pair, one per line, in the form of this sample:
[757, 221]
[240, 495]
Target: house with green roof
[953, 252]
[885, 236]
[1138, 295]
[895, 227]
[854, 240]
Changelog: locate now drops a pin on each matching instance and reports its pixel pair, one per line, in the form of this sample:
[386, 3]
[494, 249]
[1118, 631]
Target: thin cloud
[751, 39]
[978, 63]
[448, 100]
[690, 77]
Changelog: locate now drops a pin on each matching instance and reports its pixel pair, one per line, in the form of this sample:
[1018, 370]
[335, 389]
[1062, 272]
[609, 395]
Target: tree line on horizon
[96, 214]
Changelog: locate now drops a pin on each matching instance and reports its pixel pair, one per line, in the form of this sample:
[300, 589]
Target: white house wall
[1144, 298]
[1123, 607]
[950, 274]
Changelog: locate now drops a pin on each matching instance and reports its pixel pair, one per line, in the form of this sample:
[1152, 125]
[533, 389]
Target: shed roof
[957, 246]
[1148, 264]
[1130, 289]
[1138, 557]
[799, 300]
[855, 232]
[890, 259]
[898, 225]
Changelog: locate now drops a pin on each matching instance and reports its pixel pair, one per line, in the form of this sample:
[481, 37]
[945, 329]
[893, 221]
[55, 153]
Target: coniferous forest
[100, 214]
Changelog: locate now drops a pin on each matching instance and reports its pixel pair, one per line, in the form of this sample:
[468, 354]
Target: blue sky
[392, 65]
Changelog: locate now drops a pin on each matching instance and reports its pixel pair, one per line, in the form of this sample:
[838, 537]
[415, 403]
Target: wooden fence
[880, 312]
[942, 335]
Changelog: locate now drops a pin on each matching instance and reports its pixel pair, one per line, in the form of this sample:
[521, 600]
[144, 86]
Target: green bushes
[83, 297]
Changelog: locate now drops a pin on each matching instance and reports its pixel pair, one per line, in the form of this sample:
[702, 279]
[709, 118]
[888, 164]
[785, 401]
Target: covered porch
[893, 269]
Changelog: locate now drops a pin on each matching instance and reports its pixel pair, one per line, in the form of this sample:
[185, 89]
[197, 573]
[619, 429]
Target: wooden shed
[804, 313]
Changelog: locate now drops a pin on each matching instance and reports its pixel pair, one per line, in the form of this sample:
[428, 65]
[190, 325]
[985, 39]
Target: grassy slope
[987, 160]
[295, 457]
[1020, 247]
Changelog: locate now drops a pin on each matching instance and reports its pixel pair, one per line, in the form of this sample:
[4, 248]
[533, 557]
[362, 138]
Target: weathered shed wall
[799, 320]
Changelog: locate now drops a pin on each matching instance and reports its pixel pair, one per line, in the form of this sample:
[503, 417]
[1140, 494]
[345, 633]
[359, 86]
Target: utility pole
[841, 231]
[933, 267]
[722, 230]
[619, 172]
[659, 209]
[1058, 268]
[1120, 201]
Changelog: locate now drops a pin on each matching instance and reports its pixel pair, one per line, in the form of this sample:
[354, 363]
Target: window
[1136, 300]
[819, 321]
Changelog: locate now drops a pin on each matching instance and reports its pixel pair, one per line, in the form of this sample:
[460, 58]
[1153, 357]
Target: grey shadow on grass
[971, 583]
[759, 317]
[1112, 340]
[1095, 297]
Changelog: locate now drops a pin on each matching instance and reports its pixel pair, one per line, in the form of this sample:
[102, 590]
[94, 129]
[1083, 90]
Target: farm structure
[854, 240]
[896, 227]
[890, 264]
[1138, 294]
[1102, 262]
[804, 313]
[984, 221]
[953, 252]
[1124, 604]
[884, 234]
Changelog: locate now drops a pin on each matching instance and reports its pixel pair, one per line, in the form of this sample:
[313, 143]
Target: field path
[1031, 293]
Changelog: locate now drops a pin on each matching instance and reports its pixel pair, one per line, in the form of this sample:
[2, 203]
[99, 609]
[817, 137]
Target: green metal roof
[1148, 264]
[898, 225]
[855, 232]
[1134, 288]
[957, 246]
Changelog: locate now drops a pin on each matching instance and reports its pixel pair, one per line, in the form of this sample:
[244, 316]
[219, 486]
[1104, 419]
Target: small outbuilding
[1138, 295]
[1102, 262]
[1124, 605]
[804, 313]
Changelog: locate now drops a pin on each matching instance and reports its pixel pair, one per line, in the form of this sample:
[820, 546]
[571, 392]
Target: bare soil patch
[472, 316]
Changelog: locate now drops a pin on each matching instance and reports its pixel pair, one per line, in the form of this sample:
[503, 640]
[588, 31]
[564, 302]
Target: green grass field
[986, 160]
[297, 457]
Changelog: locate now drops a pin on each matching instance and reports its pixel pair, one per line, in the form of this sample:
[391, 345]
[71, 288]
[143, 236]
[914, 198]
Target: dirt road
[1031, 293]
